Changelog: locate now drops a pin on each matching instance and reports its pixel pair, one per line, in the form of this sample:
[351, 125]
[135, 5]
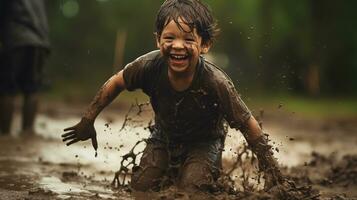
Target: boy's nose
[178, 44]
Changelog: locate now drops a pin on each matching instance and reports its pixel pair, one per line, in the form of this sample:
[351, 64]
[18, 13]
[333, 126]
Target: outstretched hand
[84, 130]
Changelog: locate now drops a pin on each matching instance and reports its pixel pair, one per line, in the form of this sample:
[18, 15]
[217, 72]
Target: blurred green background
[302, 54]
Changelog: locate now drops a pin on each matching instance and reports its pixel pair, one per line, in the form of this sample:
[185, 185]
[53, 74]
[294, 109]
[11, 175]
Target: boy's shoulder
[215, 76]
[150, 56]
[147, 62]
[141, 73]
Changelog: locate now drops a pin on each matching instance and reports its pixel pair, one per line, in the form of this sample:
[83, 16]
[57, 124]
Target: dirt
[319, 156]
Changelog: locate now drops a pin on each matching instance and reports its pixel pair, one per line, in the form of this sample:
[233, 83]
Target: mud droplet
[280, 105]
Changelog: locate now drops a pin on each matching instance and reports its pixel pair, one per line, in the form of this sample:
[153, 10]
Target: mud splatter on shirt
[195, 114]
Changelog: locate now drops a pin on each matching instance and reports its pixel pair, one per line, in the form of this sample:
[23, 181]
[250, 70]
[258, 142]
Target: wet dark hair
[193, 12]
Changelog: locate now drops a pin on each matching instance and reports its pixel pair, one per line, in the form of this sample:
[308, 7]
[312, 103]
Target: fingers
[94, 142]
[68, 134]
[72, 141]
[69, 138]
[70, 128]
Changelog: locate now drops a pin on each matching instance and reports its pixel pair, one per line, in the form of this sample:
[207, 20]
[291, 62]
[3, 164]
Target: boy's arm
[238, 116]
[85, 128]
[258, 143]
[105, 95]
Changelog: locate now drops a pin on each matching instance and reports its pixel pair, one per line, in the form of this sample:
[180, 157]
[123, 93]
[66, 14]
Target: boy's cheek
[190, 49]
[165, 49]
[166, 46]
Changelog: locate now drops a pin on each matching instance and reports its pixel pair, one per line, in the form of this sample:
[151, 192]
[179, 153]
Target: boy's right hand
[84, 130]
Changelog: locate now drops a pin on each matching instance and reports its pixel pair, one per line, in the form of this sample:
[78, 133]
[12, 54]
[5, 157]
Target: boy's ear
[157, 39]
[205, 48]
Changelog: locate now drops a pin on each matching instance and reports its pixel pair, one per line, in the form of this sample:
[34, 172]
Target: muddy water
[44, 166]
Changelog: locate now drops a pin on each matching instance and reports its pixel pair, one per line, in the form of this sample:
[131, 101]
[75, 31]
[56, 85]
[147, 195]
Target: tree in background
[301, 47]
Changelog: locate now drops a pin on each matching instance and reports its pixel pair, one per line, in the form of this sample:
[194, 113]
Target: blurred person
[25, 45]
[192, 99]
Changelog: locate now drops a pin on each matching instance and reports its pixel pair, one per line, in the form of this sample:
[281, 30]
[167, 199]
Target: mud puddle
[42, 167]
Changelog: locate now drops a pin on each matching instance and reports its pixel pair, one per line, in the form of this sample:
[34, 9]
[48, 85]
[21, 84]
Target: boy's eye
[168, 38]
[189, 39]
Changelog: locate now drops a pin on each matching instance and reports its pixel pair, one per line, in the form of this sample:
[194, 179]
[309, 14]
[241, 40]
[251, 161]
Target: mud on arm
[105, 95]
[258, 143]
[85, 130]
[239, 117]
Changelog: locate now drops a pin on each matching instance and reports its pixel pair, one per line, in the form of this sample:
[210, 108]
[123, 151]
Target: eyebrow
[185, 33]
[168, 34]
[190, 35]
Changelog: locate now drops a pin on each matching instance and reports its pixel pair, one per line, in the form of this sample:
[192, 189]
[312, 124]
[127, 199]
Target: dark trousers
[21, 70]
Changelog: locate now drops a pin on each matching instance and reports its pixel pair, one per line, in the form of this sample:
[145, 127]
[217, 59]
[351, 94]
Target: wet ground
[42, 167]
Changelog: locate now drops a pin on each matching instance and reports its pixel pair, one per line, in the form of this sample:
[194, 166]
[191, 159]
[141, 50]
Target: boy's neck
[181, 81]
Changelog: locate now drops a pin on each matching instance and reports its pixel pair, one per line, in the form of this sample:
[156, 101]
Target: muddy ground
[317, 152]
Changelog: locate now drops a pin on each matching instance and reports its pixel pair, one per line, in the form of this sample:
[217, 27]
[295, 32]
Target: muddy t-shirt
[196, 114]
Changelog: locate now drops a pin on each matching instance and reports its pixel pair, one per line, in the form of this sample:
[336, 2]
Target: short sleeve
[232, 106]
[138, 74]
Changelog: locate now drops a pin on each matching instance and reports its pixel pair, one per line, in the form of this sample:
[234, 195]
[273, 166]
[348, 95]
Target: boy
[191, 98]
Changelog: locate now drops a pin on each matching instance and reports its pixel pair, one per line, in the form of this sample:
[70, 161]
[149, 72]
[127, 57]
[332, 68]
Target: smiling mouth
[178, 57]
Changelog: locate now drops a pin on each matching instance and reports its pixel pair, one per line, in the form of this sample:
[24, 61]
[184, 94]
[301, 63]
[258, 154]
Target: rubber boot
[29, 112]
[7, 107]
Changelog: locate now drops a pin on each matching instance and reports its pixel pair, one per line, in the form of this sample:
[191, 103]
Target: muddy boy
[192, 99]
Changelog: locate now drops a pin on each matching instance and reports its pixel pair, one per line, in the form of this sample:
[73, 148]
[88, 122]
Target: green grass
[324, 107]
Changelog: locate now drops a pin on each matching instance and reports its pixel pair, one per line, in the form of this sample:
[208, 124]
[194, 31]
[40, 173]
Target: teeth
[178, 56]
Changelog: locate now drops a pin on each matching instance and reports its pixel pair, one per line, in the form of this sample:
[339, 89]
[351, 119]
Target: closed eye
[168, 38]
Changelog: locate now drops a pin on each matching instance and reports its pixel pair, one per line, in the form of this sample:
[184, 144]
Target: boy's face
[182, 48]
